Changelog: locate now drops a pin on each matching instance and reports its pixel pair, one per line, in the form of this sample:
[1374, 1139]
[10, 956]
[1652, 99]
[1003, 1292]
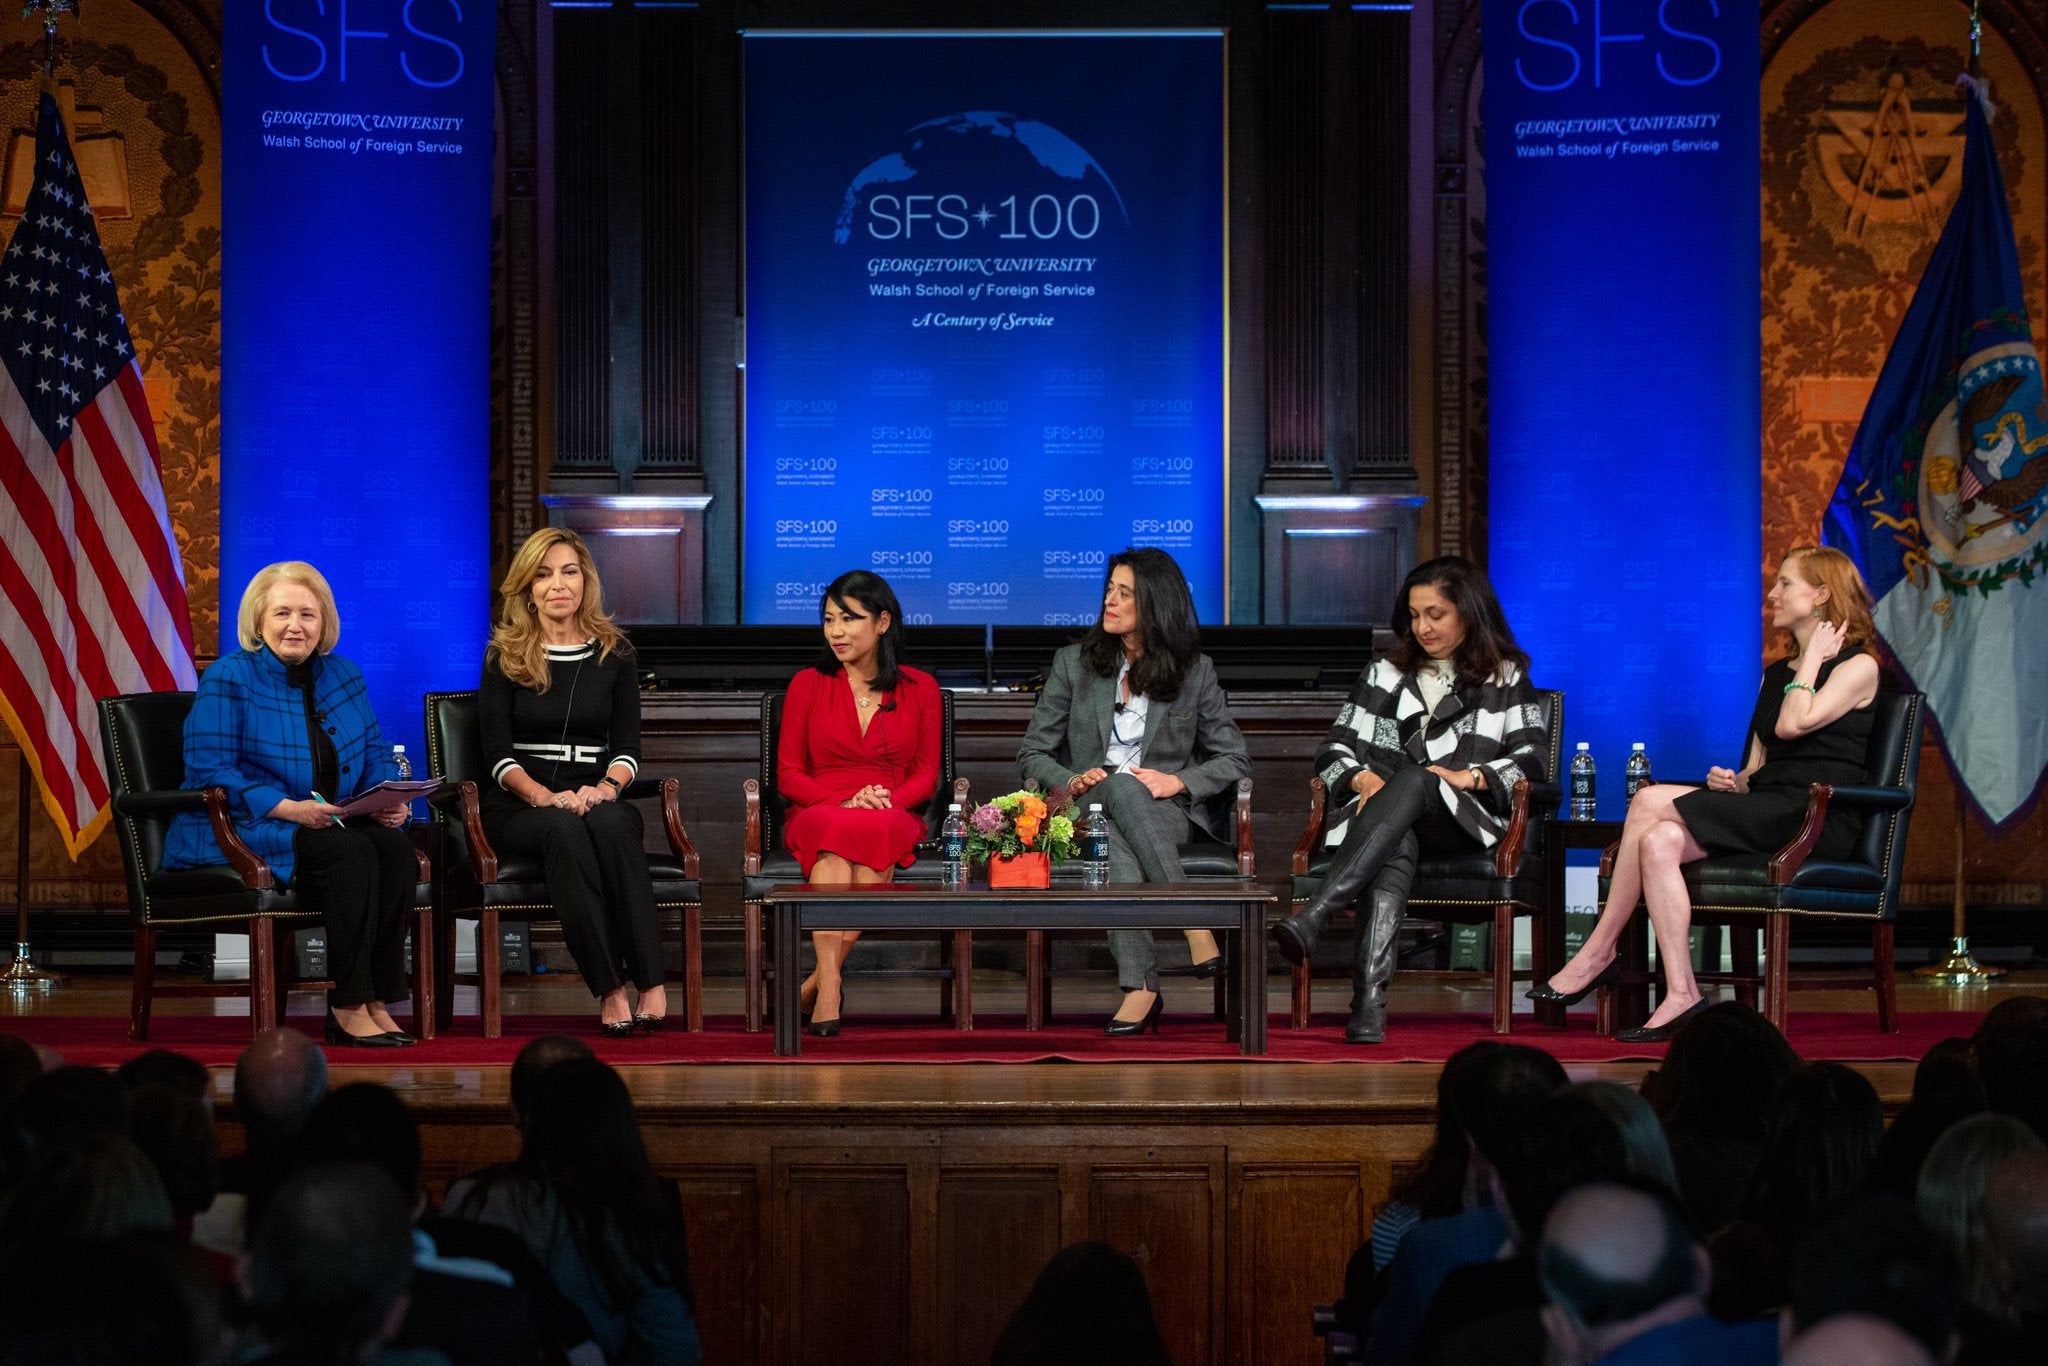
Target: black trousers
[1410, 801]
[360, 879]
[596, 873]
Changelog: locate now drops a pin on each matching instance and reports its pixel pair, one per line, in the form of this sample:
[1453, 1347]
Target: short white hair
[256, 600]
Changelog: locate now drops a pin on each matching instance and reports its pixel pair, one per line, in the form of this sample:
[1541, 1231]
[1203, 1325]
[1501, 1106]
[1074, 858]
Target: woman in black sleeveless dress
[1811, 725]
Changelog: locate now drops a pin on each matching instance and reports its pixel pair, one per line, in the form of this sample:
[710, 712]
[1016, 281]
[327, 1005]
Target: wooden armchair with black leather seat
[1736, 889]
[479, 883]
[767, 864]
[144, 738]
[1493, 886]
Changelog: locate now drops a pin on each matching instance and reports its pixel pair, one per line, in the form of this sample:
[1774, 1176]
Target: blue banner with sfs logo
[355, 326]
[984, 318]
[1624, 367]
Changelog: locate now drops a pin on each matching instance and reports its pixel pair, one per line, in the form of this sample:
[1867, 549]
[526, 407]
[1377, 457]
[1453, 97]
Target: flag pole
[1961, 968]
[22, 974]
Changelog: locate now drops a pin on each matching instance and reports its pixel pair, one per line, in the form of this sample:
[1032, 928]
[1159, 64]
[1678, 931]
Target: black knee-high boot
[1366, 848]
[1379, 935]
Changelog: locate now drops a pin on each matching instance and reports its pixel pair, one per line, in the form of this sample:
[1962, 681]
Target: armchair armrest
[1607, 858]
[750, 862]
[1312, 830]
[1247, 862]
[152, 805]
[460, 800]
[1871, 798]
[1786, 862]
[1507, 850]
[671, 790]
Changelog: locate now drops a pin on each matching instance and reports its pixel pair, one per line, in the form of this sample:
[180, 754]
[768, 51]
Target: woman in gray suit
[1132, 717]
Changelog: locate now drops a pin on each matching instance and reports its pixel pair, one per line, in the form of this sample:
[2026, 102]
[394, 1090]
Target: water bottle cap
[952, 806]
[398, 749]
[1637, 746]
[1095, 806]
[1585, 745]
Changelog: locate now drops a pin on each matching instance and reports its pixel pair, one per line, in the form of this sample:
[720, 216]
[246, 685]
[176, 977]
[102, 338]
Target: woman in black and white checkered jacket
[1423, 758]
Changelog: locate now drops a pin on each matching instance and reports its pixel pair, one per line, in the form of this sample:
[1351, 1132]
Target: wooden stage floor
[895, 1212]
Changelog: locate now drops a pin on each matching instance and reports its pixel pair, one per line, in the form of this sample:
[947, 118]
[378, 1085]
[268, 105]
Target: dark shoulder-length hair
[582, 1142]
[859, 592]
[1167, 629]
[1489, 642]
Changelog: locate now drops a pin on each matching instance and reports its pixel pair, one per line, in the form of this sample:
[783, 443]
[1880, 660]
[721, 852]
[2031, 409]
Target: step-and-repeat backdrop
[984, 318]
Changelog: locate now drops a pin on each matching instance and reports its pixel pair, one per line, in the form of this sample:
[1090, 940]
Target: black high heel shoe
[1124, 1029]
[648, 1024]
[828, 1029]
[1207, 968]
[340, 1038]
[1659, 1033]
[617, 1029]
[1543, 991]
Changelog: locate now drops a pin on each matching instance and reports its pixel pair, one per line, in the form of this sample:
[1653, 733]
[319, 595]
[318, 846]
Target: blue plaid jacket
[247, 733]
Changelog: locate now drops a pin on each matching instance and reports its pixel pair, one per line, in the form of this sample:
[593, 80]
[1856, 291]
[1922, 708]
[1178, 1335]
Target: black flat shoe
[341, 1038]
[401, 1038]
[1543, 991]
[1124, 1029]
[616, 1029]
[1660, 1033]
[1207, 968]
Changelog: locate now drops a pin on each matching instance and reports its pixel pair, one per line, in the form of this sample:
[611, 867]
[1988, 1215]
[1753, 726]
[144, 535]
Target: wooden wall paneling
[844, 1256]
[722, 1214]
[668, 175]
[997, 1225]
[1379, 40]
[1296, 291]
[1166, 1210]
[1293, 1227]
[581, 213]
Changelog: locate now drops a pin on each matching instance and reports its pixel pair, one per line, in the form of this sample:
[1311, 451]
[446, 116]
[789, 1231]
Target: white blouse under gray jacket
[1496, 725]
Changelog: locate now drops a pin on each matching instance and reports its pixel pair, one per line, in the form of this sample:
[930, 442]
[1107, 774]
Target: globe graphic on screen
[986, 156]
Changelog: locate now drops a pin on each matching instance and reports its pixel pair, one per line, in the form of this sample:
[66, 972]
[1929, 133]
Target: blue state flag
[1941, 501]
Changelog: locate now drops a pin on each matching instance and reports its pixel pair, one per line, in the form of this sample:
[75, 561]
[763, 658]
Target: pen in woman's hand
[324, 802]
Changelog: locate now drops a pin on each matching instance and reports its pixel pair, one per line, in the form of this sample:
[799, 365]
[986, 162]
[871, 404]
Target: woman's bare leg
[1651, 808]
[829, 871]
[1665, 850]
[1201, 946]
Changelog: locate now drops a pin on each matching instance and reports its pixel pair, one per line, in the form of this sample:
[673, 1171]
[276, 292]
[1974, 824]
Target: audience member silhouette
[2016, 1243]
[161, 1067]
[330, 1258]
[174, 1130]
[92, 1190]
[58, 1110]
[1951, 1200]
[142, 1299]
[1945, 1089]
[586, 1201]
[1714, 1093]
[1489, 1313]
[279, 1078]
[1088, 1307]
[2011, 1053]
[1625, 1282]
[1875, 1256]
[1819, 1151]
[1856, 1340]
[1487, 1101]
[1643, 1143]
[533, 1061]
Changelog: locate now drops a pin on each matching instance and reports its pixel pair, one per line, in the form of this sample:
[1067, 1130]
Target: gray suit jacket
[1192, 737]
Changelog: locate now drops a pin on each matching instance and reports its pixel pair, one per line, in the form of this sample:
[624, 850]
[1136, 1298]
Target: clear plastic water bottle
[953, 848]
[404, 767]
[1583, 808]
[1093, 837]
[1638, 771]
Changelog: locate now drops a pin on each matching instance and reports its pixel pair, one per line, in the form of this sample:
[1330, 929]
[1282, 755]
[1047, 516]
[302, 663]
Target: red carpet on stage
[1843, 1036]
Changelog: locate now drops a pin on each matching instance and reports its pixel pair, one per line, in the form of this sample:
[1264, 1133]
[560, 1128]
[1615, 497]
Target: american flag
[93, 589]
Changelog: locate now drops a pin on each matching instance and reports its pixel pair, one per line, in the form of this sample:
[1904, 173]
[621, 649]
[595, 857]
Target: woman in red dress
[858, 761]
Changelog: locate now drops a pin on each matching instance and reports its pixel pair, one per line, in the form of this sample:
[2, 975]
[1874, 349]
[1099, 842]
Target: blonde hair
[516, 645]
[1848, 604]
[256, 601]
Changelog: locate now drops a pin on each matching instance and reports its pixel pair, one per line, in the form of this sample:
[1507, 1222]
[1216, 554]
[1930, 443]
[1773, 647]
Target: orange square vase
[1023, 870]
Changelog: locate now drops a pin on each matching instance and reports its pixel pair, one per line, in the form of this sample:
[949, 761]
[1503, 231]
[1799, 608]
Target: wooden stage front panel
[895, 1213]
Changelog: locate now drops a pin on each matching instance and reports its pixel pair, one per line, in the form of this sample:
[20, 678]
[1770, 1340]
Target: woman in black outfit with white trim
[561, 731]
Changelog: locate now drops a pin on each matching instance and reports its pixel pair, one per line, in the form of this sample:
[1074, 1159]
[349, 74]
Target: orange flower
[1027, 829]
[1033, 807]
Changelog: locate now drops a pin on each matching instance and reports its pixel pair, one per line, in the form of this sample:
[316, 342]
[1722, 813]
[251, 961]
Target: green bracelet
[1811, 691]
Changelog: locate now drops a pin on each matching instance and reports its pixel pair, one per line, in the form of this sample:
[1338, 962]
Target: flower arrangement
[1024, 822]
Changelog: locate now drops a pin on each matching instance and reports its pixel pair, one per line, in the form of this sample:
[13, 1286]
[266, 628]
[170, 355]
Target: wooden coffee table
[1238, 909]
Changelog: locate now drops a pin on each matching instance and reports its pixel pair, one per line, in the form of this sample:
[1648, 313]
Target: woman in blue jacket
[285, 725]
